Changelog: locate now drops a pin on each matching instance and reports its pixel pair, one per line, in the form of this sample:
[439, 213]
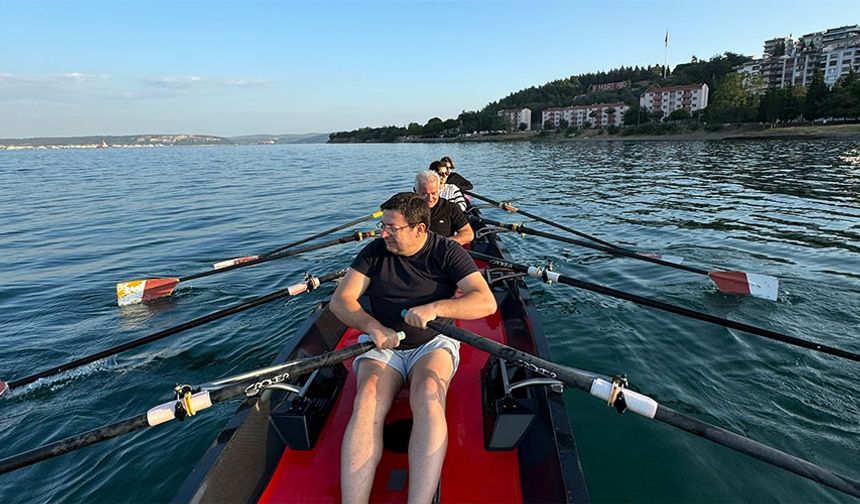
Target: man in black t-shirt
[446, 218]
[409, 269]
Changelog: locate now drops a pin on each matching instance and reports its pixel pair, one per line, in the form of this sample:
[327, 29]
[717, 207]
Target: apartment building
[517, 116]
[597, 115]
[788, 62]
[666, 100]
[839, 62]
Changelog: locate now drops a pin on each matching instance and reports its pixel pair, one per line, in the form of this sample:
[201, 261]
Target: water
[73, 223]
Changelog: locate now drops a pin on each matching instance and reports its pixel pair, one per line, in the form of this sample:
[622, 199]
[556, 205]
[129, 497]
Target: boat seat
[299, 417]
[510, 407]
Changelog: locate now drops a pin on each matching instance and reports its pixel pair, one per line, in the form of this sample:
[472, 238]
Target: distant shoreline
[836, 131]
[743, 132]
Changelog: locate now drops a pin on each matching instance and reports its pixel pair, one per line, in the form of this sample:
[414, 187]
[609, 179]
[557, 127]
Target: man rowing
[416, 270]
[446, 218]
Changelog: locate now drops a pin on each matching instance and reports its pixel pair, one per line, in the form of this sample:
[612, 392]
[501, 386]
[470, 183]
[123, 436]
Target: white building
[597, 115]
[666, 100]
[788, 62]
[837, 63]
[517, 116]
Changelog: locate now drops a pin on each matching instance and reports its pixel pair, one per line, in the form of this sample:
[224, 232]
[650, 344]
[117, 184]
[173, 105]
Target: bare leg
[377, 385]
[429, 380]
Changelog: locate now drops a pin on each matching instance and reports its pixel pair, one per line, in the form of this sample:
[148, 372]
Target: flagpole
[666, 57]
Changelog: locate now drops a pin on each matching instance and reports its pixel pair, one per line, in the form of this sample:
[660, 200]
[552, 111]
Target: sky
[75, 68]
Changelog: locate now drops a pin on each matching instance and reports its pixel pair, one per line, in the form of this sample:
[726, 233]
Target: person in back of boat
[447, 191]
[409, 268]
[455, 178]
[446, 218]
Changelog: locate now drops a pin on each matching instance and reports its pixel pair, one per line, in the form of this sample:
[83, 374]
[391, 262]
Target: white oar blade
[139, 291]
[4, 387]
[237, 260]
[668, 258]
[746, 284]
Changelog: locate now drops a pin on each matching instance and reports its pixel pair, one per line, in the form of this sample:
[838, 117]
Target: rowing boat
[510, 438]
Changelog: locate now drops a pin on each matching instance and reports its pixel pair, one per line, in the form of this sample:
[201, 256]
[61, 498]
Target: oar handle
[162, 413]
[649, 408]
[551, 276]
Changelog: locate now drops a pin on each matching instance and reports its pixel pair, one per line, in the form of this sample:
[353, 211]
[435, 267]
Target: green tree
[414, 129]
[732, 102]
[523, 126]
[434, 127]
[636, 115]
[679, 115]
[548, 125]
[563, 124]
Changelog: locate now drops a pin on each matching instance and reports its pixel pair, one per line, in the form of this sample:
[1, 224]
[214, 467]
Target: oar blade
[139, 291]
[234, 261]
[4, 387]
[746, 284]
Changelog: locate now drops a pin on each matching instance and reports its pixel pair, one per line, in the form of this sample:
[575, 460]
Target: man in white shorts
[412, 269]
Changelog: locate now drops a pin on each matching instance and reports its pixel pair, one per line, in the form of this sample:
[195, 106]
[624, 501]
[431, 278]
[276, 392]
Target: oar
[615, 391]
[186, 404]
[138, 291]
[310, 283]
[510, 208]
[730, 282]
[239, 260]
[551, 276]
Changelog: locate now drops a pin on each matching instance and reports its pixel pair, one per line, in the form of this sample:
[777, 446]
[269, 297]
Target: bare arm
[344, 304]
[477, 301]
[464, 235]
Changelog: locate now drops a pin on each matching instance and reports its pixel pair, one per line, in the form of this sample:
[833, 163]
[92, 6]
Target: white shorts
[403, 360]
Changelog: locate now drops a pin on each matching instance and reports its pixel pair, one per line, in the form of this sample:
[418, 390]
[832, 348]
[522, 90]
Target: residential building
[665, 100]
[839, 62]
[517, 116]
[597, 115]
[788, 62]
[751, 76]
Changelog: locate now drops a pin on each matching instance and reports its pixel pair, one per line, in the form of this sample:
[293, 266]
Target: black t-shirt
[446, 218]
[398, 282]
[459, 181]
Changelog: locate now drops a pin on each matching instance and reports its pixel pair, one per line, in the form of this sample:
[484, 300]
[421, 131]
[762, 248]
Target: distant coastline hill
[155, 140]
[583, 89]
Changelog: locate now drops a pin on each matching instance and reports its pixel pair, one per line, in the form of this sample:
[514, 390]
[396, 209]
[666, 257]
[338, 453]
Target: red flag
[666, 40]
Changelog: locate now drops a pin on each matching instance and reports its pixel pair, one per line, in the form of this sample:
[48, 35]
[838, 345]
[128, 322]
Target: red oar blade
[3, 388]
[237, 260]
[139, 291]
[746, 284]
[668, 258]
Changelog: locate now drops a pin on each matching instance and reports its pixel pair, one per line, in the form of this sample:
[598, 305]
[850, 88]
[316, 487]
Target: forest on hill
[574, 90]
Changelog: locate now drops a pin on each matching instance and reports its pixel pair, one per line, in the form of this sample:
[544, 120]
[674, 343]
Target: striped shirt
[452, 193]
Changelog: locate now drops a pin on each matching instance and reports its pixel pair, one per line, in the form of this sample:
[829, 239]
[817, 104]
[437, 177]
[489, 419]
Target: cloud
[196, 82]
[8, 80]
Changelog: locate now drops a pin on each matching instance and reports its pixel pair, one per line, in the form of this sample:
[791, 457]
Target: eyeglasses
[443, 173]
[388, 227]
